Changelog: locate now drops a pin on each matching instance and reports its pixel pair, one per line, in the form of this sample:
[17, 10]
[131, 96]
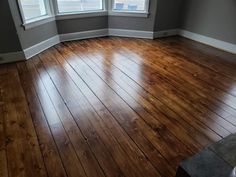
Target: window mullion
[21, 11]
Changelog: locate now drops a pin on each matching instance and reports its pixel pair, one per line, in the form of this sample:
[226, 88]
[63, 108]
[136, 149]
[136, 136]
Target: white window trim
[38, 21]
[125, 13]
[80, 14]
[128, 14]
[31, 23]
[53, 13]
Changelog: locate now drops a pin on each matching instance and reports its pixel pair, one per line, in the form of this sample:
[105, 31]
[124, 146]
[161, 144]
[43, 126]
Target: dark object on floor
[217, 160]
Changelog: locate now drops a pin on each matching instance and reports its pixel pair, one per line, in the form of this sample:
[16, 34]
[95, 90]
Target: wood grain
[114, 107]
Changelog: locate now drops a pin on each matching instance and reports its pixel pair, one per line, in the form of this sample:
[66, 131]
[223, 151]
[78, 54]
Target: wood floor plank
[198, 68]
[114, 107]
[73, 166]
[23, 152]
[164, 61]
[124, 78]
[201, 102]
[213, 102]
[3, 153]
[222, 127]
[107, 138]
[195, 70]
[78, 140]
[104, 114]
[109, 167]
[150, 120]
[70, 158]
[49, 150]
[222, 62]
[119, 109]
[165, 99]
[115, 127]
[222, 107]
[117, 82]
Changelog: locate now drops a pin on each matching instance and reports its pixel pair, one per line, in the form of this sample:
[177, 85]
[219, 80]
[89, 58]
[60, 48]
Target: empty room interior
[118, 88]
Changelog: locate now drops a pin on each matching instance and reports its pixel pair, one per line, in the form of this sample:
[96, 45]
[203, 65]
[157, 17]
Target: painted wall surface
[32, 36]
[212, 18]
[135, 23]
[168, 14]
[9, 41]
[82, 24]
[164, 15]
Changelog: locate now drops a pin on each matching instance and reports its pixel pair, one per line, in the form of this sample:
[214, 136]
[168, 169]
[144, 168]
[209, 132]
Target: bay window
[76, 6]
[37, 12]
[130, 5]
[34, 9]
[137, 8]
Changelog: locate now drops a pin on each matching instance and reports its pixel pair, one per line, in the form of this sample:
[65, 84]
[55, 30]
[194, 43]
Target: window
[38, 12]
[130, 5]
[32, 9]
[75, 6]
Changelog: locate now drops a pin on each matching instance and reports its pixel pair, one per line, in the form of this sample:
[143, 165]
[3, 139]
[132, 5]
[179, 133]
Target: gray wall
[135, 23]
[117, 22]
[36, 35]
[168, 15]
[164, 15]
[32, 36]
[212, 18]
[82, 24]
[9, 41]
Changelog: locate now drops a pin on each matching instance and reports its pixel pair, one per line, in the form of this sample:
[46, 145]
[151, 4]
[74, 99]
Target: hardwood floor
[114, 107]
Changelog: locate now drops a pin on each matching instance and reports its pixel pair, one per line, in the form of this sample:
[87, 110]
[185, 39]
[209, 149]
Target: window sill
[38, 21]
[128, 14]
[81, 15]
[46, 19]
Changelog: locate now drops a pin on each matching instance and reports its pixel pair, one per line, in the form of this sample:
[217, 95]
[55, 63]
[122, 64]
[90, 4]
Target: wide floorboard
[114, 107]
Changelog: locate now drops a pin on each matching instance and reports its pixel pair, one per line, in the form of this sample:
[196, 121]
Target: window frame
[80, 14]
[33, 22]
[114, 12]
[51, 7]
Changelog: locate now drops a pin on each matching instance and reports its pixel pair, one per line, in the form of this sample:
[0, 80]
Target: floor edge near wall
[216, 43]
[36, 49]
[12, 57]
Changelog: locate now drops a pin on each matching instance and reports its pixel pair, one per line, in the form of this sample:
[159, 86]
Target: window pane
[33, 8]
[65, 6]
[130, 5]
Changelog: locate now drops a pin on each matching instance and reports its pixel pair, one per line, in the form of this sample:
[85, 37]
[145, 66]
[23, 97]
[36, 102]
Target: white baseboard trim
[40, 47]
[226, 46]
[106, 32]
[166, 33]
[83, 35]
[12, 57]
[219, 44]
[36, 49]
[131, 33]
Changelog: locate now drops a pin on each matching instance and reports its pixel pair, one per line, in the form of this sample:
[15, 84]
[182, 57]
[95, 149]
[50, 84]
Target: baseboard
[131, 33]
[106, 32]
[12, 57]
[36, 49]
[166, 33]
[40, 47]
[83, 35]
[226, 46]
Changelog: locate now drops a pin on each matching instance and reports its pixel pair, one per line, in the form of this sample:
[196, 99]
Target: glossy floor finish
[114, 107]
